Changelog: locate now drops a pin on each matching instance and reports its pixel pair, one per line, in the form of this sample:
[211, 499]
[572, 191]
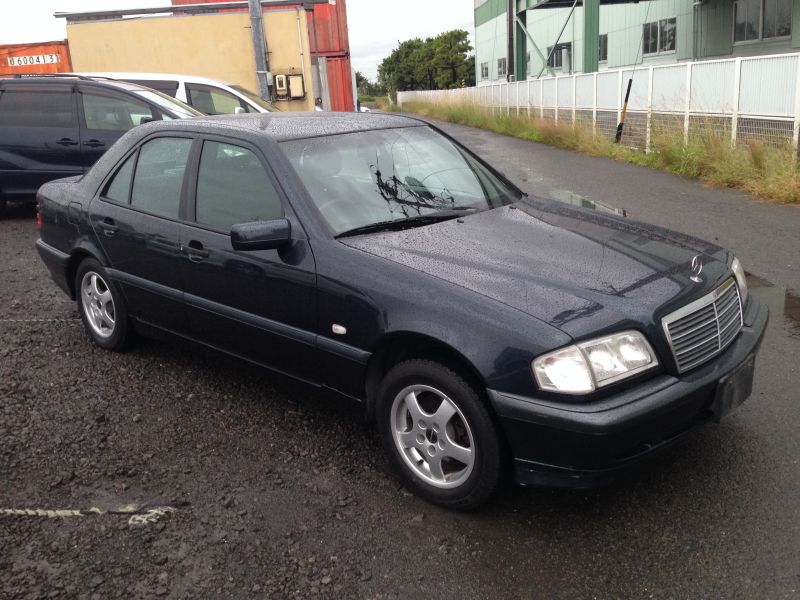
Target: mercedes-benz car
[482, 330]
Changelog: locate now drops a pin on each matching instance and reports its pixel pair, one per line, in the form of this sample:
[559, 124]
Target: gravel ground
[281, 492]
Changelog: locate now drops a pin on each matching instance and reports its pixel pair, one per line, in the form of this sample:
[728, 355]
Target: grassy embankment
[772, 174]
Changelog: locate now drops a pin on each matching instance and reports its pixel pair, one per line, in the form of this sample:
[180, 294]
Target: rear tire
[439, 435]
[101, 306]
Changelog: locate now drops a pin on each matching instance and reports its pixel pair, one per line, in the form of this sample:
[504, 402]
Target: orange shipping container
[44, 57]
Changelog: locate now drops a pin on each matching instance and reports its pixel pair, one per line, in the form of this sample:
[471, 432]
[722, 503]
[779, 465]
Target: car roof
[282, 127]
[66, 78]
[157, 77]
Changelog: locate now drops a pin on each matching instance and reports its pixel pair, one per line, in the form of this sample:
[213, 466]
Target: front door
[136, 220]
[260, 305]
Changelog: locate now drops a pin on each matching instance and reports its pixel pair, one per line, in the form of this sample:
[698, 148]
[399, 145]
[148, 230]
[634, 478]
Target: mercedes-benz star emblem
[697, 268]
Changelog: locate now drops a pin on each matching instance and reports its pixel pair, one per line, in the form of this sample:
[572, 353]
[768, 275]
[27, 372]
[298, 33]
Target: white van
[209, 96]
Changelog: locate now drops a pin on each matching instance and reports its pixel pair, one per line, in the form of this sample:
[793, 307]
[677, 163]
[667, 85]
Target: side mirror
[239, 110]
[261, 235]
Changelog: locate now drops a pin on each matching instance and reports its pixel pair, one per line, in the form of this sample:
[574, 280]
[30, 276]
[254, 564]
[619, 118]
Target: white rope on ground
[138, 515]
[62, 320]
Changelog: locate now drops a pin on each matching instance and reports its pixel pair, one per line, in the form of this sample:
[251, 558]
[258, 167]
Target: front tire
[439, 434]
[101, 306]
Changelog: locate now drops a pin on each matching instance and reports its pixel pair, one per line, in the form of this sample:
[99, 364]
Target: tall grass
[768, 173]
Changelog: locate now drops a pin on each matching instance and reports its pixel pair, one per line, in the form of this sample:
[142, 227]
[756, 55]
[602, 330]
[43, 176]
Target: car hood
[579, 270]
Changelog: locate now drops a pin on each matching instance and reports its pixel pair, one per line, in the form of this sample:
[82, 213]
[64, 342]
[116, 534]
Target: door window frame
[191, 192]
[115, 94]
[135, 152]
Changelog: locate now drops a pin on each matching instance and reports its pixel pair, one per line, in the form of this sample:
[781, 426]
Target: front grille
[704, 328]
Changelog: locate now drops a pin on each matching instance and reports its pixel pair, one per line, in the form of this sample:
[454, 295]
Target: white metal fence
[741, 98]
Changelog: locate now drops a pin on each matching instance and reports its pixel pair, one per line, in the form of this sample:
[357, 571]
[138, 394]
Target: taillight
[38, 220]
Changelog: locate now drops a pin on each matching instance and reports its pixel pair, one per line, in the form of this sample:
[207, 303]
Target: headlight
[741, 279]
[584, 367]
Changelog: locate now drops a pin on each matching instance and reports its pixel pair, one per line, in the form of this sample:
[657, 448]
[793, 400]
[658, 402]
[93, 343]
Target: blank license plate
[734, 389]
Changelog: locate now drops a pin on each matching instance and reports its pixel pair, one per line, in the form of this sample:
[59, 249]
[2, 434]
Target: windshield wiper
[400, 224]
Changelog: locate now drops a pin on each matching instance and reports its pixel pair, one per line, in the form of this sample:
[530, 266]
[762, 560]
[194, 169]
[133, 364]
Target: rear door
[39, 138]
[105, 116]
[260, 305]
[137, 222]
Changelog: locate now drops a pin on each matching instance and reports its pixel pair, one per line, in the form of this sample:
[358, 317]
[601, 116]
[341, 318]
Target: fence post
[541, 98]
[555, 96]
[516, 85]
[688, 107]
[574, 98]
[737, 90]
[508, 98]
[594, 104]
[796, 129]
[619, 95]
[649, 134]
[529, 98]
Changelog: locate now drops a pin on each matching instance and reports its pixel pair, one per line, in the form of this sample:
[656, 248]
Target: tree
[366, 87]
[442, 62]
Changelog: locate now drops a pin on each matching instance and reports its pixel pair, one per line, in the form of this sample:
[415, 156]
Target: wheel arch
[77, 256]
[401, 346]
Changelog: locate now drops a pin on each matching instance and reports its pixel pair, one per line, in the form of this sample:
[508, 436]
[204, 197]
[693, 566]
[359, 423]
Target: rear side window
[212, 100]
[40, 108]
[158, 180]
[113, 113]
[233, 187]
[119, 189]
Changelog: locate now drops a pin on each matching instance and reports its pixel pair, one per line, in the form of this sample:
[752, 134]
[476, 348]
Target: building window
[602, 48]
[485, 70]
[502, 67]
[555, 57]
[755, 20]
[528, 63]
[658, 36]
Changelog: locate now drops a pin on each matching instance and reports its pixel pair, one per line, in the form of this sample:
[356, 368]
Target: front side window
[212, 100]
[392, 175]
[158, 180]
[233, 187]
[502, 68]
[40, 108]
[112, 113]
[755, 20]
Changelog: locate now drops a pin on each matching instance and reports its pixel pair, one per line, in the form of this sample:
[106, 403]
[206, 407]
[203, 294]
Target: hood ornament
[697, 268]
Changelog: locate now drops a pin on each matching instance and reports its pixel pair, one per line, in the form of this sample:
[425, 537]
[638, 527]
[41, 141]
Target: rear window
[39, 108]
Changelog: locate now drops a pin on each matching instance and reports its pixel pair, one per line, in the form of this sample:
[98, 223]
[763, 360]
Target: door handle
[195, 251]
[66, 142]
[109, 227]
[94, 143]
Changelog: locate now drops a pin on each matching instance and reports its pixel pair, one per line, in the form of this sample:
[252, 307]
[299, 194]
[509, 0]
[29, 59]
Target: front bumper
[583, 445]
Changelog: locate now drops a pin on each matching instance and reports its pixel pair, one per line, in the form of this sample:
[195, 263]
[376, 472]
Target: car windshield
[393, 177]
[175, 108]
[256, 99]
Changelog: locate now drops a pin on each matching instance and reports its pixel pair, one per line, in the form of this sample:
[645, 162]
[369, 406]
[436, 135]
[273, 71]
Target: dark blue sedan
[374, 256]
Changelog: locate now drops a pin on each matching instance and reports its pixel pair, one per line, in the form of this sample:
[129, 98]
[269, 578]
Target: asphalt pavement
[196, 477]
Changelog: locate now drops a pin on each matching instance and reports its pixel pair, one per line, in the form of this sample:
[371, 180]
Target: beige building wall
[218, 46]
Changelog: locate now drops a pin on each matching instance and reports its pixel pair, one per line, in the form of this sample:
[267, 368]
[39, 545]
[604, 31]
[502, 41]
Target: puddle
[779, 300]
[577, 200]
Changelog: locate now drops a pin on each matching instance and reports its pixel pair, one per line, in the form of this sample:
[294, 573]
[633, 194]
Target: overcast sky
[375, 26]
